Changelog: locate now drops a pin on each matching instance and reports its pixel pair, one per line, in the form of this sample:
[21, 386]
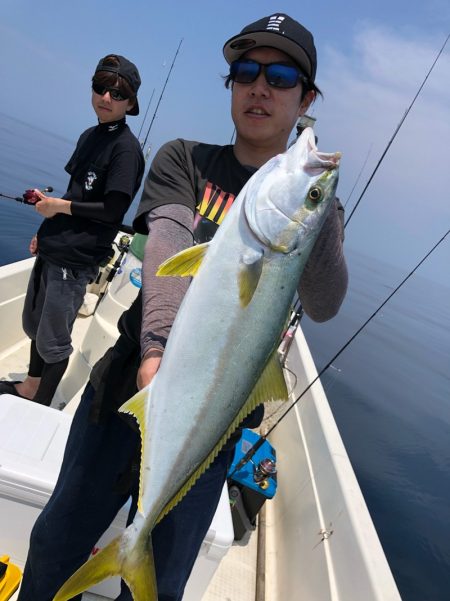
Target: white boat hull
[321, 544]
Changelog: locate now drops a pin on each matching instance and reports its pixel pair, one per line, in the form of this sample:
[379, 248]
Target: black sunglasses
[115, 93]
[276, 74]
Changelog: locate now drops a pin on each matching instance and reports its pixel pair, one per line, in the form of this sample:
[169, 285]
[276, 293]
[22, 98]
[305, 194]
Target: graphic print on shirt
[89, 181]
[211, 211]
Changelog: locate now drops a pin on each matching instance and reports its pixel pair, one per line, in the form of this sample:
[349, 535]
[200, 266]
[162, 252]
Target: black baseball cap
[128, 71]
[277, 31]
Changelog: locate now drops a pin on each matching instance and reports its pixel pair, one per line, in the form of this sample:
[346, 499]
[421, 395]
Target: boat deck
[235, 579]
[14, 362]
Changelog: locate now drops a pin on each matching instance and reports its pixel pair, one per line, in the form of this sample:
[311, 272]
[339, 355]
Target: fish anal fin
[271, 386]
[249, 275]
[185, 263]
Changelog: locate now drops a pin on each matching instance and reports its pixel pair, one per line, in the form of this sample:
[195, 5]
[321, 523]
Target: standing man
[187, 193]
[75, 238]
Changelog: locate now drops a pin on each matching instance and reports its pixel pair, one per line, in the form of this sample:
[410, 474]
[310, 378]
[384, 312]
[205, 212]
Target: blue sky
[372, 59]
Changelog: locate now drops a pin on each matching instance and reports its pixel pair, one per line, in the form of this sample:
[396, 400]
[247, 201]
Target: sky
[372, 58]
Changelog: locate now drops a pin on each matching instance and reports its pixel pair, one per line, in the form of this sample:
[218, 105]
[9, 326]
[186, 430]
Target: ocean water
[390, 395]
[389, 390]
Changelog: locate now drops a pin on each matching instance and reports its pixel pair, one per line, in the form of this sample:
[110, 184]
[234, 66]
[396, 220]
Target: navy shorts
[54, 297]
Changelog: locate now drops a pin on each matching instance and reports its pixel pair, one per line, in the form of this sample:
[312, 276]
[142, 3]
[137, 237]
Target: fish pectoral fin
[137, 407]
[249, 275]
[185, 263]
[135, 566]
[271, 385]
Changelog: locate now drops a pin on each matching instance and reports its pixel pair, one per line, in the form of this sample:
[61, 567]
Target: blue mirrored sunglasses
[276, 74]
[101, 90]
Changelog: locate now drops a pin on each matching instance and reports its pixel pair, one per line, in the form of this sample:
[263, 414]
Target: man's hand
[48, 206]
[148, 368]
[33, 245]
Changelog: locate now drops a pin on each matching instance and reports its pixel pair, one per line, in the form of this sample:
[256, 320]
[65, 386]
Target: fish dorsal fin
[137, 407]
[249, 274]
[184, 263]
[271, 386]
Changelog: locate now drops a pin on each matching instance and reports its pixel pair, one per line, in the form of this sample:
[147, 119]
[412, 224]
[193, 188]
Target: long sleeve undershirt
[169, 231]
[324, 281]
[321, 289]
[111, 210]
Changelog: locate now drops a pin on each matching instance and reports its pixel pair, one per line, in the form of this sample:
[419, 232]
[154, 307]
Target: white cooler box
[32, 440]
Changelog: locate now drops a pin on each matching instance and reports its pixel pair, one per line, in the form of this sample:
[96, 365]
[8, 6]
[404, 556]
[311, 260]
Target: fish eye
[315, 194]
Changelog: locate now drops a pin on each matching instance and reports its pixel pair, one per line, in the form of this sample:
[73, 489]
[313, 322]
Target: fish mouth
[320, 161]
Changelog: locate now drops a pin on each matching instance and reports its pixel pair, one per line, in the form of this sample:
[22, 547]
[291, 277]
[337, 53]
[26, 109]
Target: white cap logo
[275, 22]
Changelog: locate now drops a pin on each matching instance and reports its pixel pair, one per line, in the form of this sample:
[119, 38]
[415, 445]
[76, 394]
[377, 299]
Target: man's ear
[306, 102]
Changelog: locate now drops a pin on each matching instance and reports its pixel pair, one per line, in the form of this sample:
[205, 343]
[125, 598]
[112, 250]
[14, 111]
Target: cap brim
[242, 43]
[135, 110]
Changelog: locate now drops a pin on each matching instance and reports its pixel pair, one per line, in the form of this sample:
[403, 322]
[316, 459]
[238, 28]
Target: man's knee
[53, 353]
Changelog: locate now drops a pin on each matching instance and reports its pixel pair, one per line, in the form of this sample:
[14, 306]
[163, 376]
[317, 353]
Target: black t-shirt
[107, 158]
[204, 177]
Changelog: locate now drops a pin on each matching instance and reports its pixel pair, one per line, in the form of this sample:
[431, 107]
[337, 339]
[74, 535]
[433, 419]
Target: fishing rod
[160, 98]
[247, 457]
[298, 312]
[145, 116]
[397, 129]
[359, 176]
[29, 197]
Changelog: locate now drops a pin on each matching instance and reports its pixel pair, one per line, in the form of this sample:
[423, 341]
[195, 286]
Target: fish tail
[139, 573]
[136, 566]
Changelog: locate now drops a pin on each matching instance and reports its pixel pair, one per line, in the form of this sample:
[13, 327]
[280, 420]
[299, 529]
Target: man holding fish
[283, 232]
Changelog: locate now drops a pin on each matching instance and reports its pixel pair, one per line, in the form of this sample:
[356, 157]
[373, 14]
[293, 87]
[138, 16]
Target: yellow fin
[249, 275]
[271, 386]
[137, 407]
[184, 263]
[136, 566]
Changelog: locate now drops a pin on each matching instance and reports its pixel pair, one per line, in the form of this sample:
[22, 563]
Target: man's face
[265, 115]
[107, 109]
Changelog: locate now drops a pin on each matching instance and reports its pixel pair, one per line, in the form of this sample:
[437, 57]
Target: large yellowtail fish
[221, 357]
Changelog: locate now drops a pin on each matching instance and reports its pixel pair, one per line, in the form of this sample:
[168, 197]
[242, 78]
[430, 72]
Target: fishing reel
[262, 471]
[124, 243]
[29, 197]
